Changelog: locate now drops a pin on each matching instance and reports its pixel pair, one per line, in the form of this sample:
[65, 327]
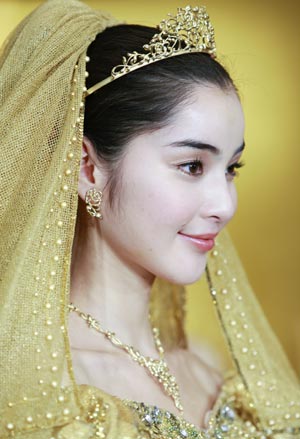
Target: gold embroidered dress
[42, 99]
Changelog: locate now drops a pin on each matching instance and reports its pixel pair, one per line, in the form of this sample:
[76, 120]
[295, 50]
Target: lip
[204, 242]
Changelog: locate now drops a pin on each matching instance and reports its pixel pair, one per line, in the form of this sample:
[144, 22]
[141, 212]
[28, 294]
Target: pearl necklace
[157, 368]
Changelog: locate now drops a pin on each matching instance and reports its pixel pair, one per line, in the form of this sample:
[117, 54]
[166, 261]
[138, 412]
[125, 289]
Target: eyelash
[198, 163]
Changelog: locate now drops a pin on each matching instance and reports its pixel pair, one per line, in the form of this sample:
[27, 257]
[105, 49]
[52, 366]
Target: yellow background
[258, 41]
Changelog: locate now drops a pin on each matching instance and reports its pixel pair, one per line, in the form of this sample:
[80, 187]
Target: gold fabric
[42, 80]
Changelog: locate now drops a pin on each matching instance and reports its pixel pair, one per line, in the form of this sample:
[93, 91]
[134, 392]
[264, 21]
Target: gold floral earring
[93, 200]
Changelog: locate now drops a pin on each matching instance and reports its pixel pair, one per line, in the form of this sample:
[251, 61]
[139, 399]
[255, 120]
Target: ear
[90, 174]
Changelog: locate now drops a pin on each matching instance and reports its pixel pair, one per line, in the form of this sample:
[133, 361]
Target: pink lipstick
[203, 242]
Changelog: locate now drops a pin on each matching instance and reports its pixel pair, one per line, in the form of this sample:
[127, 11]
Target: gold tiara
[189, 31]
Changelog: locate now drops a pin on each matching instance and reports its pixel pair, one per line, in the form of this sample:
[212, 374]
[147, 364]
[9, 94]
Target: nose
[219, 200]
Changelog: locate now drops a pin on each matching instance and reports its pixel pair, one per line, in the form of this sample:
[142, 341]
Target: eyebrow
[204, 146]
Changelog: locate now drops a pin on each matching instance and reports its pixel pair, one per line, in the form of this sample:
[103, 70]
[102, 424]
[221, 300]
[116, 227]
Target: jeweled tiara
[187, 32]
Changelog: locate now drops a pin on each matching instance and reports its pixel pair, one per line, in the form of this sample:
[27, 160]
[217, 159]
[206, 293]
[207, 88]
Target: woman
[151, 145]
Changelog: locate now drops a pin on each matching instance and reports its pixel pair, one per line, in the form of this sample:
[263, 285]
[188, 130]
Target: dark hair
[142, 100]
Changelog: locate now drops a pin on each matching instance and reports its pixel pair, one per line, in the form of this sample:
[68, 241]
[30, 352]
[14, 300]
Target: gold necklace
[157, 368]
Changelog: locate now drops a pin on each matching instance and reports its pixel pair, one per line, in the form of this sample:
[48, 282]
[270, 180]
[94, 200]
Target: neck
[112, 290]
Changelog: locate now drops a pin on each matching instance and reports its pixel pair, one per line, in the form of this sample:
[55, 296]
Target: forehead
[211, 116]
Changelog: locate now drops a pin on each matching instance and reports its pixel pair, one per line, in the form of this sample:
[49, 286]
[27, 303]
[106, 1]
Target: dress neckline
[149, 411]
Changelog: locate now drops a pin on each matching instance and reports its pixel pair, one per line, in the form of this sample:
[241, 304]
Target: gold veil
[42, 80]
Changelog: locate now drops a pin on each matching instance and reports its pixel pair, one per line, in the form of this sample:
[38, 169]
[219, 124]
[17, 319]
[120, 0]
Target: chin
[186, 274]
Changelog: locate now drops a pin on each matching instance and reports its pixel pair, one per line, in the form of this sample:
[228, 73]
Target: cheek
[160, 203]
[234, 200]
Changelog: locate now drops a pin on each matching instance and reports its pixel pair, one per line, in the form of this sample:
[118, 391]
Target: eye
[193, 168]
[231, 170]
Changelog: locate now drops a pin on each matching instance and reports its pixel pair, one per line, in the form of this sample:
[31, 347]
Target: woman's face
[178, 182]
